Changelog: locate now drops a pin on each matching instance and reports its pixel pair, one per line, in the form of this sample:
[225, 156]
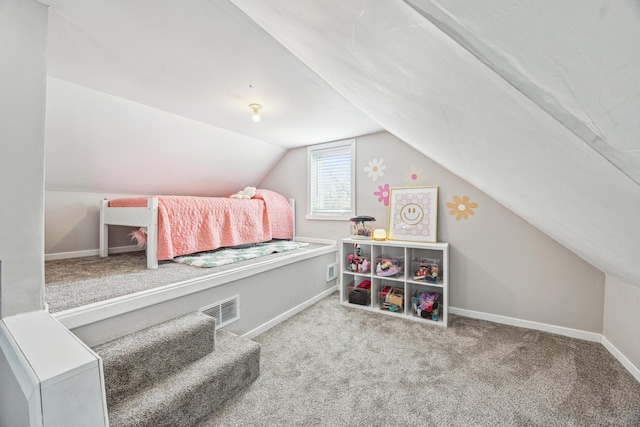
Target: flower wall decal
[383, 194]
[414, 177]
[461, 207]
[375, 169]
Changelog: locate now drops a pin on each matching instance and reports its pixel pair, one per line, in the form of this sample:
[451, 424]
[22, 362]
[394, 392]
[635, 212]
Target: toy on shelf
[427, 270]
[365, 284]
[358, 263]
[388, 266]
[384, 292]
[361, 293]
[392, 299]
[426, 305]
[359, 228]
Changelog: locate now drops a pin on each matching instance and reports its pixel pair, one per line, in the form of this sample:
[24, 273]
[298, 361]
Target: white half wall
[23, 26]
[622, 318]
[20, 404]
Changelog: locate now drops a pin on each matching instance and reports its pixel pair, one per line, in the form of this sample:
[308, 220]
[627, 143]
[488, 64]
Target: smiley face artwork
[411, 214]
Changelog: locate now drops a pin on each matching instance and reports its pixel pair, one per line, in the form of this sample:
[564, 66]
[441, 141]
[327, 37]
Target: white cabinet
[398, 278]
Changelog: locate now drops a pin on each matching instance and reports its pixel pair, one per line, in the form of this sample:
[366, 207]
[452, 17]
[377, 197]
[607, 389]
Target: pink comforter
[189, 224]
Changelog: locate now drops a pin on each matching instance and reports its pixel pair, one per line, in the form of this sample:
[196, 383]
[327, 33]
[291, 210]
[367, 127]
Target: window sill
[329, 217]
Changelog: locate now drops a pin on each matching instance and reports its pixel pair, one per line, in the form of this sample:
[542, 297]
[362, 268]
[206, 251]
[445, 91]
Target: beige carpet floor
[333, 365]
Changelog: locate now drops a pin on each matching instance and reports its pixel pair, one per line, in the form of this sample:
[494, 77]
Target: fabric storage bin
[361, 294]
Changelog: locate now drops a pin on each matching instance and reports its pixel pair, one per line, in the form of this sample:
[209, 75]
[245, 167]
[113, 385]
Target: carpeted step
[191, 394]
[139, 359]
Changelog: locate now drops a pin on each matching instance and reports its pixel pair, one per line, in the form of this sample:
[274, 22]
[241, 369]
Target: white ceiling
[577, 60]
[532, 101]
[204, 60]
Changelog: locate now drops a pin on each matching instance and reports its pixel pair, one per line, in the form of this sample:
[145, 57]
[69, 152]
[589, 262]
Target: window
[331, 180]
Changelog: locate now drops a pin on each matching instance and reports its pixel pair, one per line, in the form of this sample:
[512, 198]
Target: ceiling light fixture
[256, 111]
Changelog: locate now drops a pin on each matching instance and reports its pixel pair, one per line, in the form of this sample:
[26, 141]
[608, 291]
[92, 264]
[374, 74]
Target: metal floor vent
[225, 312]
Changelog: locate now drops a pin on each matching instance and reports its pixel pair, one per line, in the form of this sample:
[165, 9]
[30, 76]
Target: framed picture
[413, 213]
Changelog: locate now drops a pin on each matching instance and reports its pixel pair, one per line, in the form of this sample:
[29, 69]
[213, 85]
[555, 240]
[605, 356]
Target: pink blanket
[189, 224]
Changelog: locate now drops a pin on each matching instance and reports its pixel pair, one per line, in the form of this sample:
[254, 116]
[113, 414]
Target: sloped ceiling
[199, 59]
[532, 101]
[577, 60]
[547, 129]
[150, 97]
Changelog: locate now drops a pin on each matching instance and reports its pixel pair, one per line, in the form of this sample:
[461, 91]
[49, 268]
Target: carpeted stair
[175, 373]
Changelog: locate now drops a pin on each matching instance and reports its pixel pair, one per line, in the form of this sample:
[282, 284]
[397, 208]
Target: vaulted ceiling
[531, 101]
[199, 59]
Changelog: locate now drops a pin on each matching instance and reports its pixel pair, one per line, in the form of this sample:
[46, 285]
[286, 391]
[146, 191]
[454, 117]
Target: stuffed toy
[140, 236]
[428, 301]
[247, 193]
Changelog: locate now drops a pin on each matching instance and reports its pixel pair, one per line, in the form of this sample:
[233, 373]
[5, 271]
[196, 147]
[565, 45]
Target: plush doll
[353, 262]
[139, 236]
[427, 301]
[247, 193]
[364, 266]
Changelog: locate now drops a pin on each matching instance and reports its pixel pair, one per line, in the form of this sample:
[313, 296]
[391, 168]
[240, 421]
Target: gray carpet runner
[175, 373]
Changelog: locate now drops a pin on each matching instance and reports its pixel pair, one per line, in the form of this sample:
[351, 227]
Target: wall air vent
[225, 312]
[332, 272]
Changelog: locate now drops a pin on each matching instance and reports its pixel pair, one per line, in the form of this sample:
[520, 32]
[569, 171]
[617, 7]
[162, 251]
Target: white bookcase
[365, 285]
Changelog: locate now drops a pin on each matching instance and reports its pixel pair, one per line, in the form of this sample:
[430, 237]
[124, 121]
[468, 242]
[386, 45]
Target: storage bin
[426, 305]
[426, 270]
[389, 266]
[392, 299]
[358, 263]
[361, 231]
[359, 295]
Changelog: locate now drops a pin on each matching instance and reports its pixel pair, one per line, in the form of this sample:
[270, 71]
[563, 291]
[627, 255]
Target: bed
[182, 225]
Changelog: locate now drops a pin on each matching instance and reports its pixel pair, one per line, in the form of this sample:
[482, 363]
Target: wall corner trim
[628, 364]
[290, 313]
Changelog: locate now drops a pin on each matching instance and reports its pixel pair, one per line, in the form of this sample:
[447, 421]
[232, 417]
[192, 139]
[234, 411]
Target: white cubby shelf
[393, 277]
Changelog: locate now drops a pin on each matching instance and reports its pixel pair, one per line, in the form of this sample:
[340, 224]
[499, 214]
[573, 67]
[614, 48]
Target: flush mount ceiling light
[256, 111]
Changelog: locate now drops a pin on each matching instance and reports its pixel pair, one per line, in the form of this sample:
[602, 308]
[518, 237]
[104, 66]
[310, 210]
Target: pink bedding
[189, 224]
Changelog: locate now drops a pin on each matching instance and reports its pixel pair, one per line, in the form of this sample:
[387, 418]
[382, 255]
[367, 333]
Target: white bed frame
[143, 217]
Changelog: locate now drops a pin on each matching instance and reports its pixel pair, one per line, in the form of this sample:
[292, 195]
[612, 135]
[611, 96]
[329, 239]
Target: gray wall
[622, 318]
[71, 222]
[499, 264]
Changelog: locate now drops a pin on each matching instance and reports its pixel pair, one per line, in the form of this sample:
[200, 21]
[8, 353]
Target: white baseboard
[90, 252]
[633, 369]
[560, 330]
[316, 240]
[287, 314]
[134, 248]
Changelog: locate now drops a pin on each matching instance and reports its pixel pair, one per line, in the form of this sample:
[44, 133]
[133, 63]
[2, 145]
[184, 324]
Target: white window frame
[350, 144]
